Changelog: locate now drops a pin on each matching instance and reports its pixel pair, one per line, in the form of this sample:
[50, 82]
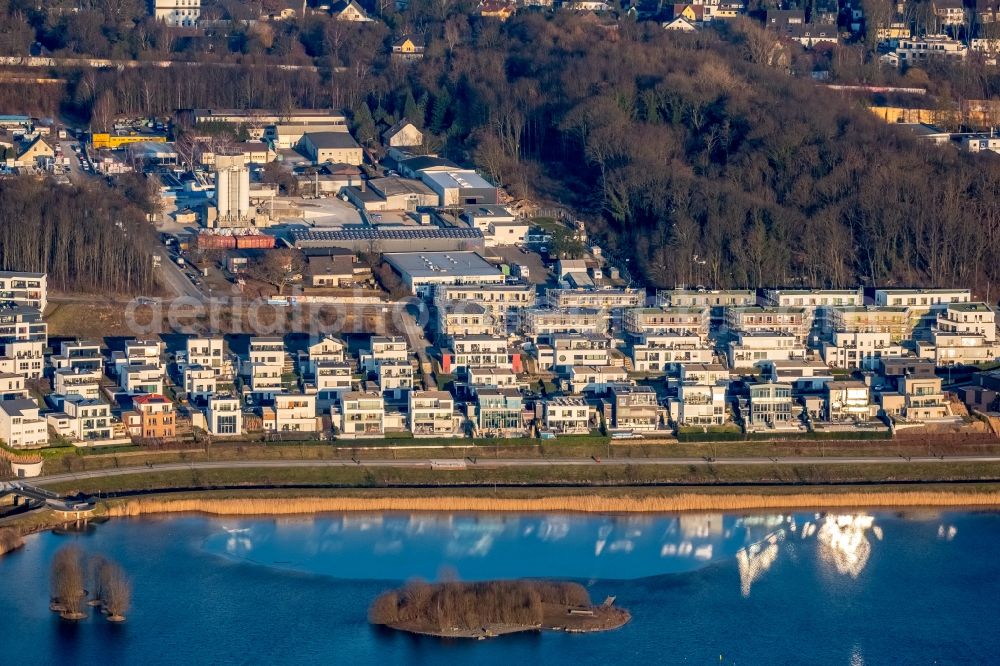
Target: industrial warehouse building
[422, 271]
[460, 187]
[323, 147]
[372, 239]
[392, 194]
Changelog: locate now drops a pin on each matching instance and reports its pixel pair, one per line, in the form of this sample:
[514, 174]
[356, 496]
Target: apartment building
[136, 379]
[966, 333]
[25, 357]
[207, 353]
[819, 302]
[291, 413]
[139, 367]
[157, 418]
[749, 349]
[566, 415]
[82, 419]
[395, 378]
[916, 51]
[699, 403]
[331, 380]
[923, 398]
[500, 413]
[362, 414]
[770, 406]
[921, 300]
[704, 373]
[265, 366]
[962, 349]
[634, 408]
[658, 353]
[177, 13]
[894, 369]
[465, 318]
[570, 350]
[503, 302]
[595, 379]
[12, 386]
[20, 425]
[23, 336]
[200, 382]
[77, 381]
[327, 350]
[27, 289]
[896, 321]
[484, 375]
[144, 352]
[968, 319]
[432, 414]
[700, 298]
[467, 351]
[813, 298]
[717, 302]
[539, 324]
[82, 354]
[689, 321]
[794, 321]
[864, 351]
[224, 415]
[597, 299]
[848, 401]
[805, 376]
[383, 348]
[949, 12]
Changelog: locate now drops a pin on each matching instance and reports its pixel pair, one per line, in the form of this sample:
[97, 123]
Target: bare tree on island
[117, 591]
[67, 583]
[95, 566]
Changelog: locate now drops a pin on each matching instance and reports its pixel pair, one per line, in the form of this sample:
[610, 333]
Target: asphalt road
[174, 279]
[503, 463]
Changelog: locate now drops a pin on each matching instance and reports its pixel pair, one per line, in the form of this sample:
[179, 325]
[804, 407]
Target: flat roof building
[421, 271]
[431, 239]
[21, 288]
[269, 116]
[460, 187]
[334, 147]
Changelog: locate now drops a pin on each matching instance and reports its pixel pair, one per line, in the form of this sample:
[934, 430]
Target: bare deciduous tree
[66, 583]
[117, 591]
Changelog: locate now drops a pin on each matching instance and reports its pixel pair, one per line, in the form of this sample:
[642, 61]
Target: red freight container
[210, 241]
[255, 242]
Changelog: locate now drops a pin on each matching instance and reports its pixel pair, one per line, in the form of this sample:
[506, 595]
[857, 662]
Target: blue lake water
[802, 588]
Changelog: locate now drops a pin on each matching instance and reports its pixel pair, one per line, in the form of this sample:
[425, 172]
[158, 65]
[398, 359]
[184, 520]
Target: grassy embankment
[596, 475]
[71, 459]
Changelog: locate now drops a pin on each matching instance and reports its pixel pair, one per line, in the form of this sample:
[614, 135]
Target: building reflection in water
[844, 542]
[399, 545]
[947, 532]
[238, 541]
[754, 560]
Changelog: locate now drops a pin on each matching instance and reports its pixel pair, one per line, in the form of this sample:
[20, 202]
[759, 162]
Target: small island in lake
[493, 608]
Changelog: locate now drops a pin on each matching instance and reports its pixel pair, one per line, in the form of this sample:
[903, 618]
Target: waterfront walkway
[507, 463]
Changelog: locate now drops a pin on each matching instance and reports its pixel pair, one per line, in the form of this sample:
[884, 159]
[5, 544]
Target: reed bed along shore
[254, 506]
[10, 540]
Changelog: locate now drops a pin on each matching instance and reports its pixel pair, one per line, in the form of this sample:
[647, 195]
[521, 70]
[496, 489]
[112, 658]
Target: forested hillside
[711, 167]
[699, 155]
[86, 238]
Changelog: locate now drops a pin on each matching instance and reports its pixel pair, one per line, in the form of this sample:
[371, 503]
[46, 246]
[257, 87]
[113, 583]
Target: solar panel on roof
[387, 234]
